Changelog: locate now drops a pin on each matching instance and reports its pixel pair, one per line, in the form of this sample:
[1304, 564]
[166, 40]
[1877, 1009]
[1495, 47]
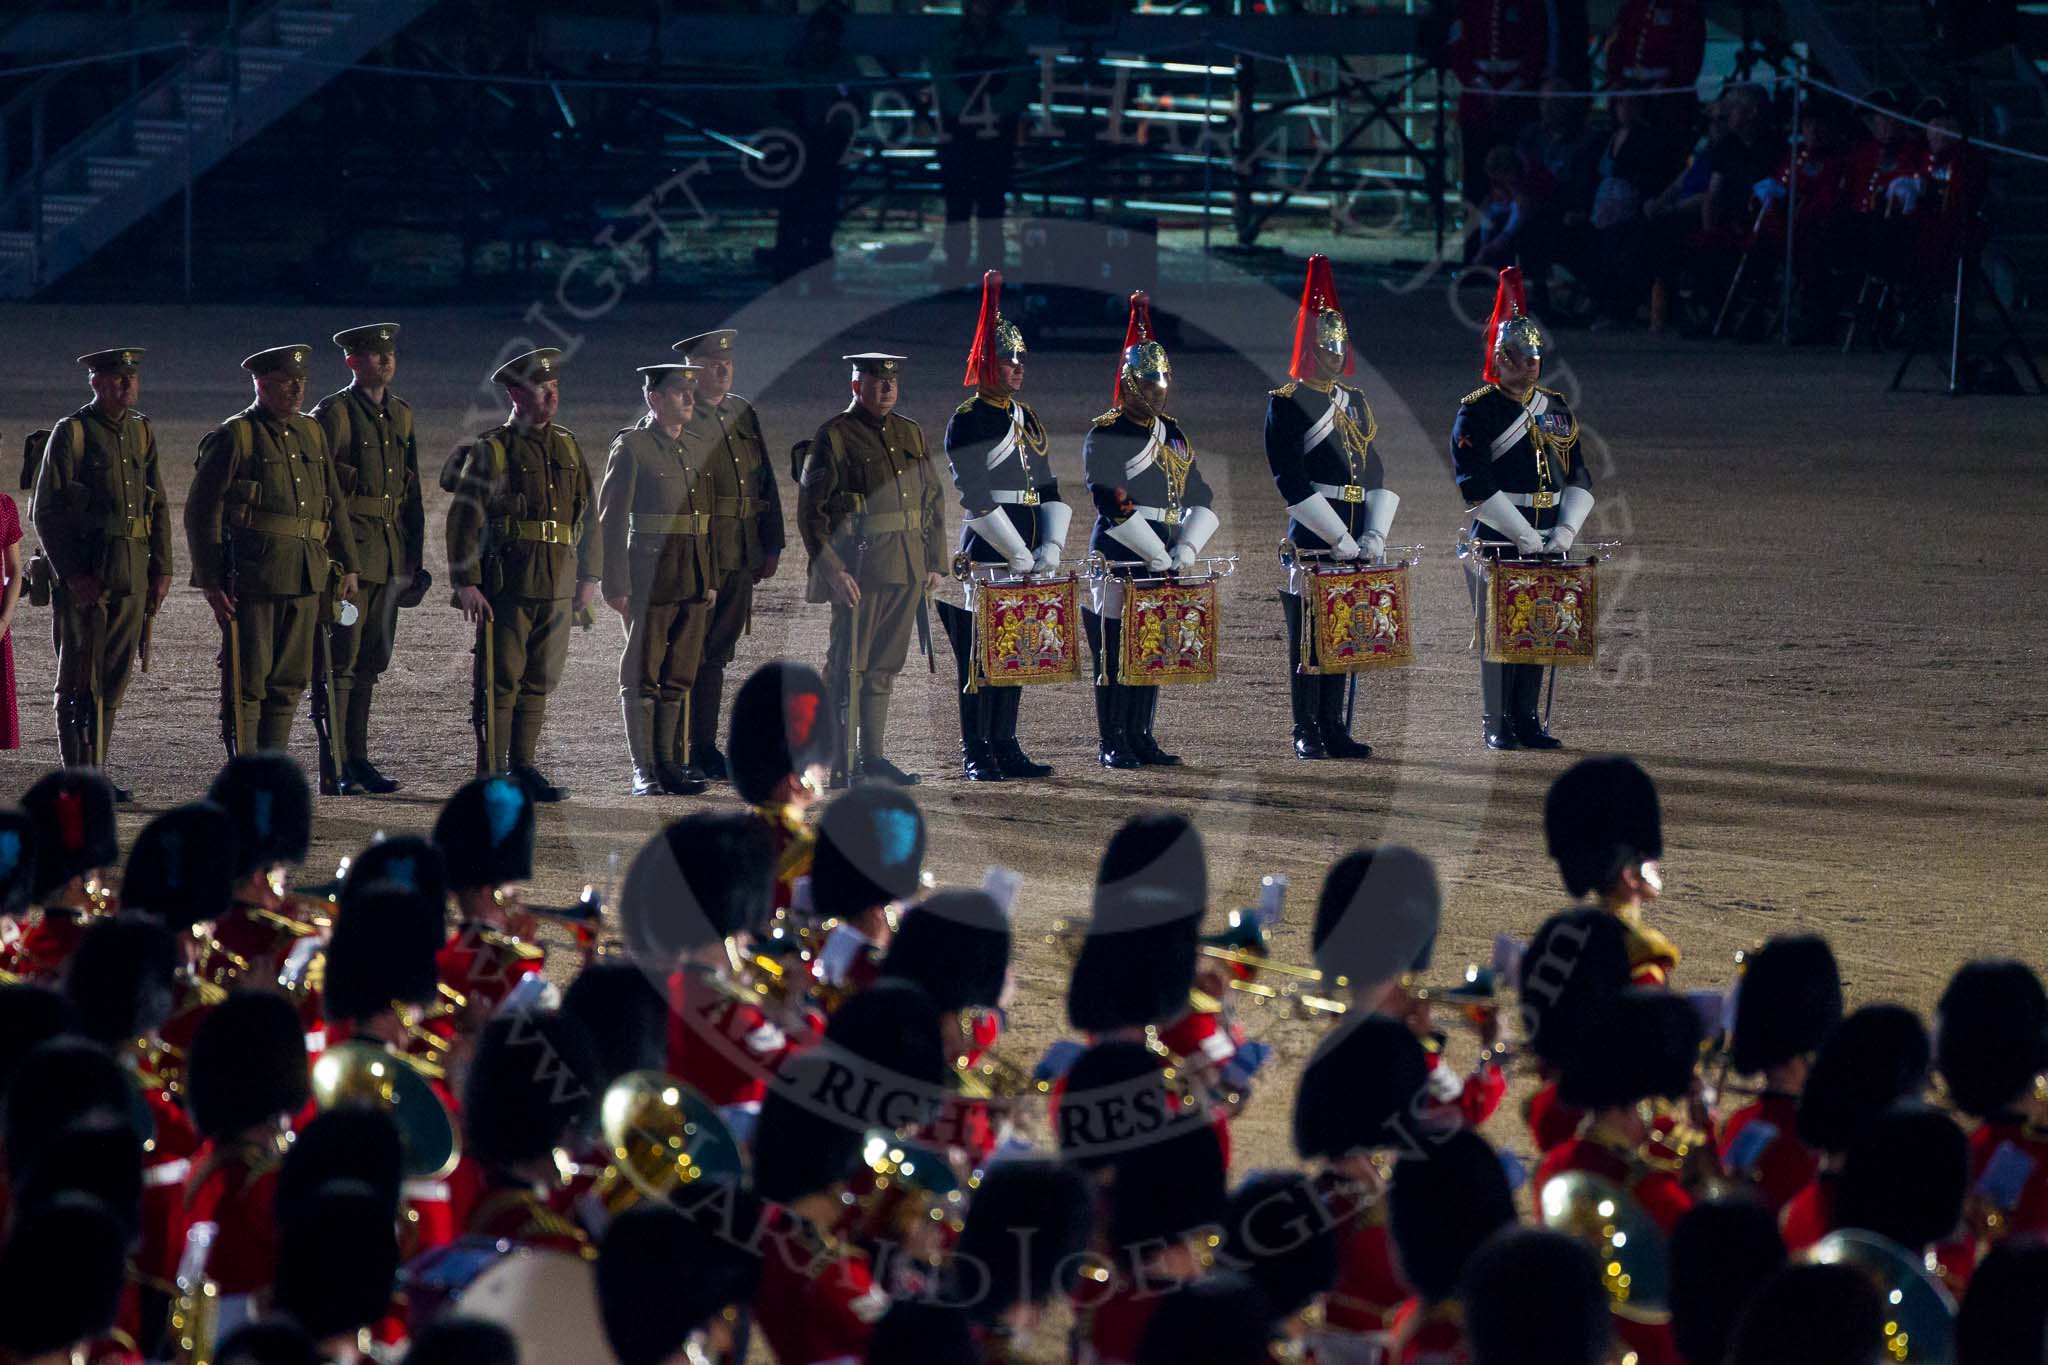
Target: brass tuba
[1919, 1311]
[659, 1135]
[364, 1072]
[1634, 1258]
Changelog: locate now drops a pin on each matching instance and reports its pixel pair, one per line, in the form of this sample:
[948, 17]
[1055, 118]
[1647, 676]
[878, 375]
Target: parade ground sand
[1823, 635]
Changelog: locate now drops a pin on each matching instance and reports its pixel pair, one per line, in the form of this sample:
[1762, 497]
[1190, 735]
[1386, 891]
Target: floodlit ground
[1823, 635]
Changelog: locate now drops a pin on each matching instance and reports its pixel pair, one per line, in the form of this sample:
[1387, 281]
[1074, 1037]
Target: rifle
[324, 728]
[95, 650]
[142, 642]
[484, 700]
[853, 668]
[231, 736]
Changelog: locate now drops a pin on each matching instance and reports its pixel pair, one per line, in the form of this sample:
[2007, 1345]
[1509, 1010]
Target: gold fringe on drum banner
[1359, 619]
[1170, 634]
[1542, 613]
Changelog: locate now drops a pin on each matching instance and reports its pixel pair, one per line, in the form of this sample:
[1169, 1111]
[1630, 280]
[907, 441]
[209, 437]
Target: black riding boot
[1528, 722]
[1010, 755]
[1496, 687]
[1337, 740]
[1144, 706]
[1112, 699]
[1301, 687]
[977, 721]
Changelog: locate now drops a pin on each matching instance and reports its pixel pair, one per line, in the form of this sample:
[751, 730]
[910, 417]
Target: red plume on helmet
[1318, 296]
[981, 357]
[1509, 301]
[1137, 332]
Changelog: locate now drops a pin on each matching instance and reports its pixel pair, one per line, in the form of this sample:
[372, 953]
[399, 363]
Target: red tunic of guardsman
[1991, 1043]
[1787, 1000]
[512, 1123]
[781, 746]
[270, 807]
[485, 834]
[246, 1080]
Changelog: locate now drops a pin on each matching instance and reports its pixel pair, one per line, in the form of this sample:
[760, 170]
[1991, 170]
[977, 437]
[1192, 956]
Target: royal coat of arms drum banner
[1027, 633]
[1360, 619]
[1169, 634]
[1542, 613]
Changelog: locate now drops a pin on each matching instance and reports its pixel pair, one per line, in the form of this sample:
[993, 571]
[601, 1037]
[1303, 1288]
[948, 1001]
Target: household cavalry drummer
[1515, 447]
[746, 529]
[263, 524]
[1152, 515]
[1319, 444]
[872, 514]
[654, 508]
[1015, 519]
[369, 431]
[105, 525]
[525, 559]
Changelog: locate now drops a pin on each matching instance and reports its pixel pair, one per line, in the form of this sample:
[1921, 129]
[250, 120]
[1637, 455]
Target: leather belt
[1342, 492]
[125, 528]
[373, 505]
[1016, 497]
[653, 524]
[882, 523]
[1537, 500]
[271, 524]
[1170, 515]
[735, 507]
[547, 532]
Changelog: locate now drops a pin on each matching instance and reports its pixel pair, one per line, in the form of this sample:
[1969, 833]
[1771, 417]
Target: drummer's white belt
[1537, 500]
[1341, 492]
[1003, 449]
[1324, 425]
[1147, 457]
[1170, 515]
[1538, 404]
[1016, 497]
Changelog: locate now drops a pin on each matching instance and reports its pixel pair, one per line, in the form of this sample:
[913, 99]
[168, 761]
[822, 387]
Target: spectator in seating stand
[1637, 159]
[1560, 166]
[1495, 45]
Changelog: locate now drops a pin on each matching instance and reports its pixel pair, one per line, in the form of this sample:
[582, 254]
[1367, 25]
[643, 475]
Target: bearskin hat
[31, 1013]
[662, 1276]
[1362, 1089]
[890, 1032]
[1219, 1320]
[2004, 1317]
[279, 1341]
[708, 876]
[532, 1084]
[1648, 1046]
[1991, 1035]
[485, 834]
[918, 1333]
[99, 1153]
[1601, 816]
[782, 724]
[353, 1142]
[1904, 1177]
[1157, 849]
[1163, 1191]
[456, 1340]
[1277, 1233]
[1875, 1058]
[1576, 961]
[407, 860]
[798, 1150]
[64, 1266]
[956, 945]
[870, 851]
[1116, 1098]
[1788, 1000]
[1137, 963]
[1027, 1227]
[382, 953]
[1377, 915]
[1534, 1297]
[1813, 1315]
[626, 1015]
[122, 978]
[56, 1083]
[72, 815]
[1446, 1199]
[270, 808]
[337, 1259]
[248, 1064]
[182, 868]
[1722, 1251]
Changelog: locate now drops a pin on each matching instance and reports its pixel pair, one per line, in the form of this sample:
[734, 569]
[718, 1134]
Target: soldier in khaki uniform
[746, 529]
[369, 431]
[105, 525]
[654, 510]
[265, 530]
[525, 558]
[871, 512]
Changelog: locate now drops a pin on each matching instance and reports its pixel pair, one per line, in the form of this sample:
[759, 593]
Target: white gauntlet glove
[1379, 519]
[1053, 520]
[1506, 518]
[1135, 534]
[1314, 513]
[1571, 515]
[1001, 533]
[1197, 524]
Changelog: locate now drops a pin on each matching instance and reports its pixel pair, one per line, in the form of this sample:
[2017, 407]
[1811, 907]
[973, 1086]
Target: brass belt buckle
[1173, 516]
[548, 530]
[1030, 498]
[1544, 499]
[1353, 493]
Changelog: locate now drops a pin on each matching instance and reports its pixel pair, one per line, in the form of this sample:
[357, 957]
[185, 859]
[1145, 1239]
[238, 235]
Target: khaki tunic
[270, 491]
[518, 527]
[377, 461]
[654, 509]
[99, 509]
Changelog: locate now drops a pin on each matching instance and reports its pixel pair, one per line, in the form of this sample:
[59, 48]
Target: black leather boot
[1337, 740]
[1010, 755]
[977, 753]
[1308, 734]
[1144, 706]
[1528, 722]
[1496, 683]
